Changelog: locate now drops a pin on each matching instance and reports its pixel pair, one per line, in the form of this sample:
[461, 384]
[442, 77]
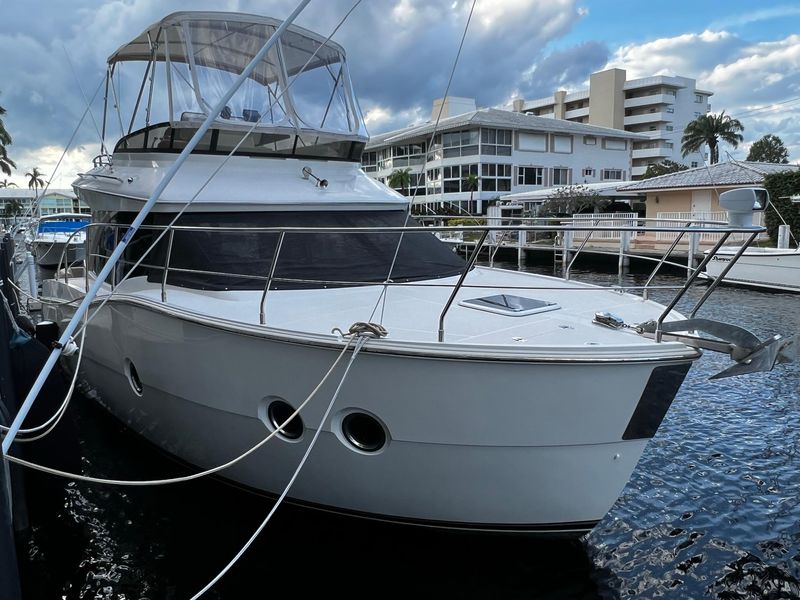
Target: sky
[401, 52]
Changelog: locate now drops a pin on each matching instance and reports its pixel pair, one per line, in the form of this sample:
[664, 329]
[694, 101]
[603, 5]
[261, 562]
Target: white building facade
[658, 107]
[506, 151]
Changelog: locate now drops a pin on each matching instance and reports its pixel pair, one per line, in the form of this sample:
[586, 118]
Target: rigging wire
[225, 160]
[382, 296]
[359, 344]
[192, 476]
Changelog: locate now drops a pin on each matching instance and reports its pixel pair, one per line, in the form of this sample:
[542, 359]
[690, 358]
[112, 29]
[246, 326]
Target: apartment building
[507, 152]
[657, 107]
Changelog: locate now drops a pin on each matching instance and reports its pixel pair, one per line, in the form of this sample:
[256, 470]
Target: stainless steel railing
[481, 230]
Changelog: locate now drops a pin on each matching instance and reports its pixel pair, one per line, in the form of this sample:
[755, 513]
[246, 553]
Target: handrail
[101, 176]
[484, 230]
[581, 247]
[261, 314]
[689, 282]
[664, 257]
[457, 287]
[166, 266]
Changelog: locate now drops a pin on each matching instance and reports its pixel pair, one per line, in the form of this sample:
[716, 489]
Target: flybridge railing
[270, 278]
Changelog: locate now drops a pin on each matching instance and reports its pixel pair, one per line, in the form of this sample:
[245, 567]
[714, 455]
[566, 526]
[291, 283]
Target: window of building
[530, 176]
[669, 109]
[460, 143]
[561, 176]
[369, 162]
[611, 175]
[562, 144]
[694, 164]
[669, 128]
[614, 144]
[495, 178]
[496, 142]
[533, 142]
[588, 172]
[434, 181]
[698, 98]
[589, 140]
[453, 177]
[697, 114]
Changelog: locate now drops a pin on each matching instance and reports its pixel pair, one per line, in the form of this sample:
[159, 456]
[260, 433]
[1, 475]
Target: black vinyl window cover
[318, 258]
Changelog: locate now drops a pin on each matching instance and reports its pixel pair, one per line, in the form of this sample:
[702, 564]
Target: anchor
[751, 354]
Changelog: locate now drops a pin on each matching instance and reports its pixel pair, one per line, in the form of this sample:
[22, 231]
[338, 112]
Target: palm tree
[400, 179]
[12, 208]
[6, 164]
[470, 183]
[7, 184]
[711, 129]
[35, 181]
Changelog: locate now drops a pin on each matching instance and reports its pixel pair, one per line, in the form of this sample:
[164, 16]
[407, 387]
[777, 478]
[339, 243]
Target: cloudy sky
[401, 53]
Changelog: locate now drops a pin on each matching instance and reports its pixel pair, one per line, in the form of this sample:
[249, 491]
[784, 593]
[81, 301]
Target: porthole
[278, 412]
[364, 432]
[133, 377]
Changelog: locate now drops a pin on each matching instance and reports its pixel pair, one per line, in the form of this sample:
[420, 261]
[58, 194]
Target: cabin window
[226, 260]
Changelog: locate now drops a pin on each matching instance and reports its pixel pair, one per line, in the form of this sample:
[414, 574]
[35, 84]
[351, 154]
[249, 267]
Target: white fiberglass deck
[411, 315]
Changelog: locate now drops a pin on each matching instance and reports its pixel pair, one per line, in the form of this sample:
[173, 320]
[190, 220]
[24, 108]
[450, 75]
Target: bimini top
[232, 36]
[184, 64]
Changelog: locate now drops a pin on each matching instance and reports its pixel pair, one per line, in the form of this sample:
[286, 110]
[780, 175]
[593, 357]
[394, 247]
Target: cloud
[743, 75]
[765, 14]
[400, 53]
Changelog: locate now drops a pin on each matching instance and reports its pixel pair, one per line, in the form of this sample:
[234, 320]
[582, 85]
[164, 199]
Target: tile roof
[493, 117]
[725, 173]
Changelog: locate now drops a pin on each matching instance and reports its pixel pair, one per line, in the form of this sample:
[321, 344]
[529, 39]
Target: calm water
[712, 510]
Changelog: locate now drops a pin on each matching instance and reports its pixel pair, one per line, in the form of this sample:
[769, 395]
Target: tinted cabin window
[242, 259]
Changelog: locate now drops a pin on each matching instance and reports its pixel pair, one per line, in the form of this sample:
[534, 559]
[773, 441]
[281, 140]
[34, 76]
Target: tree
[711, 129]
[6, 164]
[572, 199]
[770, 149]
[663, 168]
[470, 183]
[12, 208]
[400, 179]
[7, 184]
[35, 180]
[780, 186]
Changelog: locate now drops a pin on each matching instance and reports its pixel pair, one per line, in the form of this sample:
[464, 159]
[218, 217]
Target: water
[712, 510]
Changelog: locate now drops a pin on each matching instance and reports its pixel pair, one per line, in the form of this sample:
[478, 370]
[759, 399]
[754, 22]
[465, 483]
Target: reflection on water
[711, 511]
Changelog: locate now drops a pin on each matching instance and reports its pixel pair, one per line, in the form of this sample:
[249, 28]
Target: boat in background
[59, 238]
[764, 268]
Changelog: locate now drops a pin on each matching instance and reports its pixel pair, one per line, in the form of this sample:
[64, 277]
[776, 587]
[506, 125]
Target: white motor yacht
[59, 238]
[496, 400]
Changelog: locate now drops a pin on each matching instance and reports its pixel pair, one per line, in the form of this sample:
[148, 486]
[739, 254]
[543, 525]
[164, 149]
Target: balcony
[577, 113]
[652, 152]
[653, 117]
[648, 100]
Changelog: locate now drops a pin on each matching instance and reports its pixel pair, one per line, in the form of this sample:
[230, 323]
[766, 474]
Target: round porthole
[133, 377]
[278, 412]
[364, 432]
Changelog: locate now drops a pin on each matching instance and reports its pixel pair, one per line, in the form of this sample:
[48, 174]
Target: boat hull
[496, 445]
[765, 268]
[48, 253]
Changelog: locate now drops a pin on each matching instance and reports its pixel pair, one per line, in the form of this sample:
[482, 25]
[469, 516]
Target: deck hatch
[508, 304]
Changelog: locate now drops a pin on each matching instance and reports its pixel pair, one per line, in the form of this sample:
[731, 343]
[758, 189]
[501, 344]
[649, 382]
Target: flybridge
[181, 66]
